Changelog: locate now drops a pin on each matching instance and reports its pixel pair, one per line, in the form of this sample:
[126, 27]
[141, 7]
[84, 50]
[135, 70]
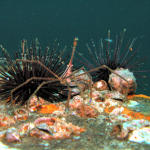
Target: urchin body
[118, 54]
[22, 76]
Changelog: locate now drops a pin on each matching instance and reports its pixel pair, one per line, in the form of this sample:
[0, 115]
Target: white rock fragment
[141, 135]
[5, 147]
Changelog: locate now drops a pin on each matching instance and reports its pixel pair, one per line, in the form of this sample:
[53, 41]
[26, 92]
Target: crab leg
[68, 70]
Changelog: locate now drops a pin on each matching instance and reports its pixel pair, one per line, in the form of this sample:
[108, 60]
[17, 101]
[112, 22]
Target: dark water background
[65, 19]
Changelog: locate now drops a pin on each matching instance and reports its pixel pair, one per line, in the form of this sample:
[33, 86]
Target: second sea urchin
[120, 53]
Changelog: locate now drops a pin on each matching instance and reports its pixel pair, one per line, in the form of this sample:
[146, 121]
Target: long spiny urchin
[16, 73]
[120, 53]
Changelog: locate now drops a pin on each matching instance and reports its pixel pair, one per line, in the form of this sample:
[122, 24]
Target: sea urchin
[15, 83]
[115, 54]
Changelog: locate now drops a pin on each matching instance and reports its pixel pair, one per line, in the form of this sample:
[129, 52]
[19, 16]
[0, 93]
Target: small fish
[108, 40]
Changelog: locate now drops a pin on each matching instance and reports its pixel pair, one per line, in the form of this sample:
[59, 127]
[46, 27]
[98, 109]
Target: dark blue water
[65, 19]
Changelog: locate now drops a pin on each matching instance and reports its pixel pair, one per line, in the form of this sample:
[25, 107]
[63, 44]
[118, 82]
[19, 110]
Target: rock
[12, 135]
[119, 84]
[100, 85]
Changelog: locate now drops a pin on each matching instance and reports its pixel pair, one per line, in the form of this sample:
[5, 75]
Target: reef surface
[105, 122]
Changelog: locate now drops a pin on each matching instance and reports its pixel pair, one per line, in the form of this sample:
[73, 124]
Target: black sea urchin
[15, 73]
[120, 53]
[114, 54]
